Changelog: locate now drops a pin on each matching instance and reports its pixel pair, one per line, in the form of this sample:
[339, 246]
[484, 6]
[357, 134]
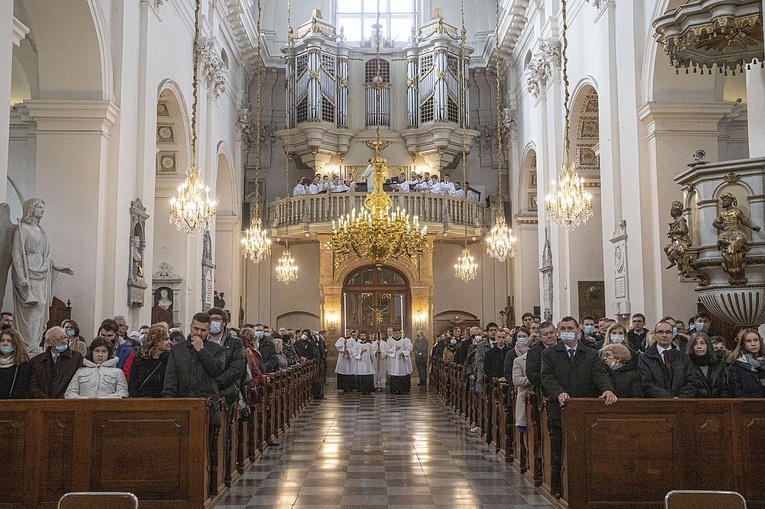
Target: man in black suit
[665, 371]
[570, 370]
[548, 336]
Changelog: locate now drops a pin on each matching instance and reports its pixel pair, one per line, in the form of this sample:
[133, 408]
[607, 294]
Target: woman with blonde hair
[748, 365]
[15, 370]
[620, 361]
[281, 358]
[147, 376]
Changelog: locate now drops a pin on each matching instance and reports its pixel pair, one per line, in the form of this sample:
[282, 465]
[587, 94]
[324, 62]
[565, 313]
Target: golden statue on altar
[732, 240]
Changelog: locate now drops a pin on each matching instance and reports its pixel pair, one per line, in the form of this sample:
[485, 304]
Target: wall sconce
[332, 321]
[420, 319]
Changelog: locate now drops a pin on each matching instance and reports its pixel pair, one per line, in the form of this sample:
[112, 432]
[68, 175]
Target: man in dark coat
[234, 367]
[193, 366]
[304, 346]
[53, 369]
[267, 350]
[637, 334]
[548, 336]
[570, 370]
[665, 371]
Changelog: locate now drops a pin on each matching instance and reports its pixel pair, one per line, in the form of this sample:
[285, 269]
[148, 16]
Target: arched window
[375, 299]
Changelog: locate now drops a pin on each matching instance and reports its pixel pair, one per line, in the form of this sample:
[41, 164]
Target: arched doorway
[375, 299]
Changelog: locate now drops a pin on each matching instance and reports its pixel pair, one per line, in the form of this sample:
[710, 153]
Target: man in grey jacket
[193, 366]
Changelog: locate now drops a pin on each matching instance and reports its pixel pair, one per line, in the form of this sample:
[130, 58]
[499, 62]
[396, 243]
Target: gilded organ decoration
[732, 241]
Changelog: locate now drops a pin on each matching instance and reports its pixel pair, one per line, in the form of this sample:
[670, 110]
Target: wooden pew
[633, 453]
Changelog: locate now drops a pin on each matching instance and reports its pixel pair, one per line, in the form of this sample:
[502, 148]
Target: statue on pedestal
[732, 241]
[33, 269]
[679, 240]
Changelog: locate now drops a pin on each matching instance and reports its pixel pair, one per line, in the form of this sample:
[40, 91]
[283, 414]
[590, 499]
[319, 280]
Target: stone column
[72, 170]
[12, 31]
[674, 131]
[755, 110]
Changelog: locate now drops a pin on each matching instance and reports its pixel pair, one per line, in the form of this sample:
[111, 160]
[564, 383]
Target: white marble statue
[33, 269]
[6, 243]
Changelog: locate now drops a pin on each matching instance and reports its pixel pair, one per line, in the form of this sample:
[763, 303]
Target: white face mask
[617, 338]
[215, 327]
[568, 337]
[614, 365]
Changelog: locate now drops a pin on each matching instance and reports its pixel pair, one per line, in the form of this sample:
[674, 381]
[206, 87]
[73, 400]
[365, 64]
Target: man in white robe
[380, 359]
[399, 363]
[363, 367]
[345, 368]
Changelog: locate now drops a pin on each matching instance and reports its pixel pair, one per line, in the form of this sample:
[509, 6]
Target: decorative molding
[20, 31]
[245, 126]
[509, 123]
[541, 69]
[212, 67]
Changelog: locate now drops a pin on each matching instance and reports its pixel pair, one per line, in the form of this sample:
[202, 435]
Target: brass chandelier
[375, 232]
[568, 204]
[465, 269]
[500, 242]
[256, 244]
[193, 210]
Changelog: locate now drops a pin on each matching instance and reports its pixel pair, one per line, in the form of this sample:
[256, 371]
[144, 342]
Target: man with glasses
[548, 336]
[665, 371]
[53, 369]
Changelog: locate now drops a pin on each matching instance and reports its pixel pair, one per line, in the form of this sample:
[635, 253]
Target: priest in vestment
[399, 363]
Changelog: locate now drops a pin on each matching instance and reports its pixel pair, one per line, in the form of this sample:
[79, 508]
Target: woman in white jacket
[99, 377]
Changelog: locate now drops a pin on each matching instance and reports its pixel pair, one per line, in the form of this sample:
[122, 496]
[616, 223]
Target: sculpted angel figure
[732, 238]
[33, 269]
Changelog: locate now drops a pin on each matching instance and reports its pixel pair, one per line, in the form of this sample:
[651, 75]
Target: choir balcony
[313, 214]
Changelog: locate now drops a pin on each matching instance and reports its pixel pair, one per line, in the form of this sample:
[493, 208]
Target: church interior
[420, 165]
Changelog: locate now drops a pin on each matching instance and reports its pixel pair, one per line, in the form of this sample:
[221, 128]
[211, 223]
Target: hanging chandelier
[375, 232]
[500, 242]
[193, 210]
[256, 245]
[286, 270]
[466, 269]
[568, 204]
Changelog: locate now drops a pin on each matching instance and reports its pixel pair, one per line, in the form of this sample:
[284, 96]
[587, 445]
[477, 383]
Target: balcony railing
[437, 211]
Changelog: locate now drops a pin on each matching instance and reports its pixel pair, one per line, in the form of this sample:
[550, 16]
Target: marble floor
[379, 451]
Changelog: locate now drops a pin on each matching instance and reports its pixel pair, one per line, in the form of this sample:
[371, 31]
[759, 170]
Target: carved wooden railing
[324, 208]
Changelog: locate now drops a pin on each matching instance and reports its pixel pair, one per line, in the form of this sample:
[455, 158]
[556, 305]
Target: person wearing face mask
[617, 335]
[520, 382]
[522, 335]
[267, 350]
[76, 342]
[6, 320]
[570, 370]
[588, 331]
[15, 370]
[53, 369]
[619, 360]
[711, 371]
[304, 346]
[449, 350]
[148, 372]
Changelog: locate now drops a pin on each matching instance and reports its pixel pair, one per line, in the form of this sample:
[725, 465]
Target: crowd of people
[369, 364]
[605, 359]
[214, 360]
[417, 183]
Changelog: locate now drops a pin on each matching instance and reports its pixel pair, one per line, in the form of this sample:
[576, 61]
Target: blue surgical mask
[5, 350]
[568, 337]
[614, 365]
[521, 341]
[215, 327]
[70, 332]
[589, 330]
[617, 338]
[453, 341]
[62, 348]
[674, 331]
[259, 334]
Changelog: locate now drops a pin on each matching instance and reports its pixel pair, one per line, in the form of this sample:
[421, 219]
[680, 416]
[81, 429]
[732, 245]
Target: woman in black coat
[748, 365]
[711, 371]
[626, 380]
[147, 376]
[15, 370]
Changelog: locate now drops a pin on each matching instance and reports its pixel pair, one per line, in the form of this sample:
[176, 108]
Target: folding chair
[98, 500]
[695, 499]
